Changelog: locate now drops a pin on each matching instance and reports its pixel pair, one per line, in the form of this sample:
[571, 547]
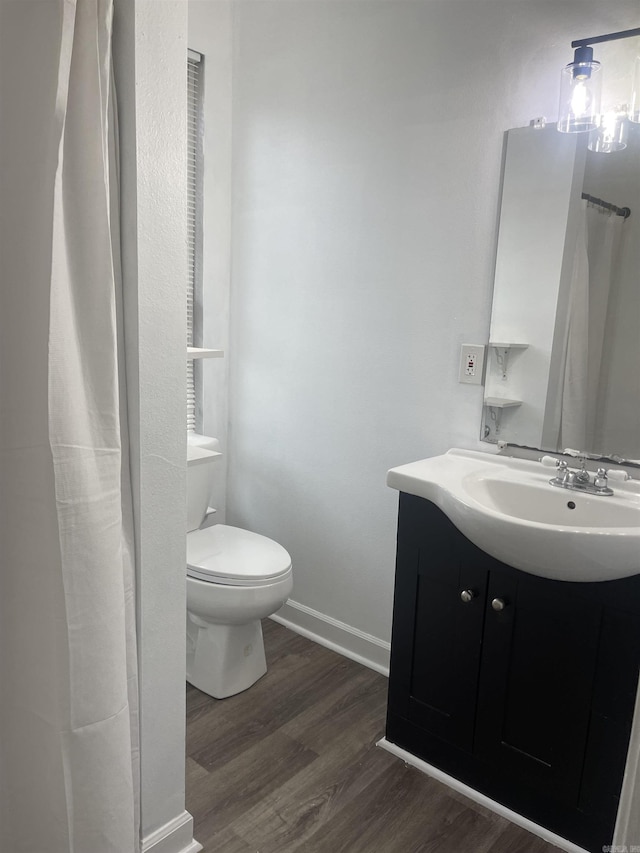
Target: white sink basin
[507, 508]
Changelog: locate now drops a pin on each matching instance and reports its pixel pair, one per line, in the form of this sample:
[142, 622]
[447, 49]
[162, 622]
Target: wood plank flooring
[291, 765]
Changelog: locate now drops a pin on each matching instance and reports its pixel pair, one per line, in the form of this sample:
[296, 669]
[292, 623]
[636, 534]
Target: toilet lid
[236, 557]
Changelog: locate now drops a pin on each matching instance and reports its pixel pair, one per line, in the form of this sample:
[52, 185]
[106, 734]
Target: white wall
[367, 140]
[345, 311]
[363, 245]
[150, 65]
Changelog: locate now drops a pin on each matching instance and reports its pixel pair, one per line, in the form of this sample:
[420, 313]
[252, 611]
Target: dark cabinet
[535, 692]
[519, 686]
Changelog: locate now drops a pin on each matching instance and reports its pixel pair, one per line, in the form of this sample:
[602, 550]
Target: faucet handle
[600, 480]
[549, 461]
[601, 483]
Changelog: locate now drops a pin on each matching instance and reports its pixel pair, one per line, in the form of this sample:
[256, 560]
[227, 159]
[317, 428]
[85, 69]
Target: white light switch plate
[472, 363]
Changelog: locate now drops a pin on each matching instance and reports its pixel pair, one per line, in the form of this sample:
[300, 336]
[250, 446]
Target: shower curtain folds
[69, 760]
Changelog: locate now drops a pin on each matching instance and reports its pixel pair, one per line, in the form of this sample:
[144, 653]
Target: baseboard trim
[338, 636]
[479, 798]
[175, 836]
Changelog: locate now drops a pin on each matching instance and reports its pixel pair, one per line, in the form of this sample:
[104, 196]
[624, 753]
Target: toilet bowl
[235, 578]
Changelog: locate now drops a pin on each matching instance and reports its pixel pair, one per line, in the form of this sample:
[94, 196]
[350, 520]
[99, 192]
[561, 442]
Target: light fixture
[611, 133]
[580, 88]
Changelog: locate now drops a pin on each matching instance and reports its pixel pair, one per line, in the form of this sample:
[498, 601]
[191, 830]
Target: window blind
[194, 218]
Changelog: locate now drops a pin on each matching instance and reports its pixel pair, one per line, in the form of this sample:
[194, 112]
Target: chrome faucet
[580, 480]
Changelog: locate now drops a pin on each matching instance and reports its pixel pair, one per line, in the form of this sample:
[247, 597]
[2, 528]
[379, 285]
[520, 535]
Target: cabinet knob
[467, 595]
[498, 604]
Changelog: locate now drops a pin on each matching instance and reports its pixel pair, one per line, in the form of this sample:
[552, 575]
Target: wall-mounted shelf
[496, 406]
[199, 352]
[502, 350]
[198, 455]
[501, 402]
[502, 345]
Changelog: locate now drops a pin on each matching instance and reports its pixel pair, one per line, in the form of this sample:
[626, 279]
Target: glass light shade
[580, 89]
[611, 133]
[634, 104]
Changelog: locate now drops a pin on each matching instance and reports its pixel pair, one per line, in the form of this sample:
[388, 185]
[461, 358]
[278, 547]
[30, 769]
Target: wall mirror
[563, 362]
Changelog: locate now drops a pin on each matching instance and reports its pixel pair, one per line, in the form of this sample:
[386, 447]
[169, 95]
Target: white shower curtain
[69, 755]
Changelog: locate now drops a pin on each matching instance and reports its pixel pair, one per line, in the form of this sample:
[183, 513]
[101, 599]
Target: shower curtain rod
[619, 211]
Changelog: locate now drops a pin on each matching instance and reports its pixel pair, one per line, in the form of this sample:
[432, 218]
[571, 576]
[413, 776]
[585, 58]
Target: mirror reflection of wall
[564, 355]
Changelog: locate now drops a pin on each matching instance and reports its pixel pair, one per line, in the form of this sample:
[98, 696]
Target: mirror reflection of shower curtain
[573, 423]
[589, 299]
[604, 232]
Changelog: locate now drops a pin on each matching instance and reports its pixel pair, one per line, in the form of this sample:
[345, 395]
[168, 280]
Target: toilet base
[223, 660]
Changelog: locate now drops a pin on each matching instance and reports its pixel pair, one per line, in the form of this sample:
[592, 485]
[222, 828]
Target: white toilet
[234, 579]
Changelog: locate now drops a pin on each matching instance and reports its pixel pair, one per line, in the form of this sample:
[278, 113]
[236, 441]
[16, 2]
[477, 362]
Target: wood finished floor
[291, 765]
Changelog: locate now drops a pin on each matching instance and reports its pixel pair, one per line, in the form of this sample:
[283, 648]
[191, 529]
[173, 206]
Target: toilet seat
[234, 557]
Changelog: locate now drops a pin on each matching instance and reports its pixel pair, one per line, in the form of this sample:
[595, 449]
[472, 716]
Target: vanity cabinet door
[438, 619]
[614, 699]
[539, 662]
[446, 650]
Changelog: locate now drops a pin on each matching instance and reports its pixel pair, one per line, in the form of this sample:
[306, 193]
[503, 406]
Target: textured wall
[150, 62]
[367, 144]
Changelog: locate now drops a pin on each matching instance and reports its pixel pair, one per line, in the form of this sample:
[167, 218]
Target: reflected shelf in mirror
[502, 351]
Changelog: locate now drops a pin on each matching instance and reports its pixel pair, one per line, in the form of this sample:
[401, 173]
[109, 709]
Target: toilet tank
[202, 453]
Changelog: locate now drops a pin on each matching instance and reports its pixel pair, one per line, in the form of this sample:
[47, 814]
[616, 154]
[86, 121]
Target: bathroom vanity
[522, 687]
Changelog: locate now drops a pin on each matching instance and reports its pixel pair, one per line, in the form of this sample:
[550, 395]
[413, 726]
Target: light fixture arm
[623, 34]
